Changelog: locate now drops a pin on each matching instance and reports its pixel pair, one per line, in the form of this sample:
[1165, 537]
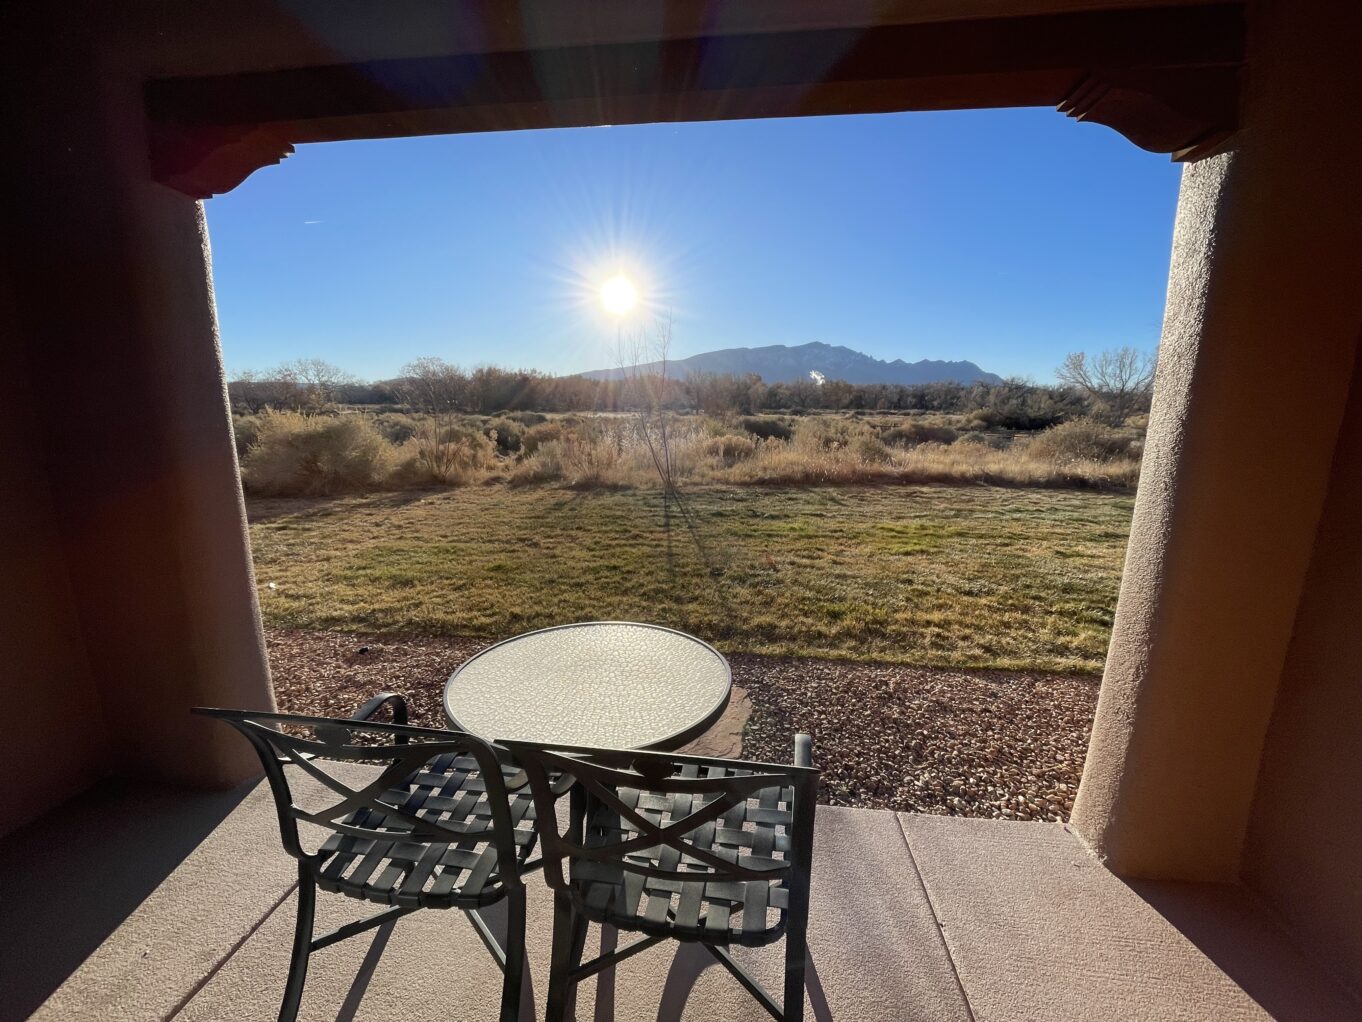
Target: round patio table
[609, 684]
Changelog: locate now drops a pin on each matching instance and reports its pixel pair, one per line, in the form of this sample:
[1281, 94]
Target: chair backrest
[686, 818]
[402, 798]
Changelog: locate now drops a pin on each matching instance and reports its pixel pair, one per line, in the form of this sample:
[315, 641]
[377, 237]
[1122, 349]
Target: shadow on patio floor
[70, 901]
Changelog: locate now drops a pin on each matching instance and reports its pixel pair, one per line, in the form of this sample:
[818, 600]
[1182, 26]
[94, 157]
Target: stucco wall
[1255, 363]
[1304, 847]
[54, 742]
[129, 488]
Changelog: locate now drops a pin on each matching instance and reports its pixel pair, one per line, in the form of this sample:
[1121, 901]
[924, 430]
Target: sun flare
[619, 295]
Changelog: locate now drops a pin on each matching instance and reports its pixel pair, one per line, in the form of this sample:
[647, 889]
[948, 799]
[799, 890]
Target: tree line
[1110, 386]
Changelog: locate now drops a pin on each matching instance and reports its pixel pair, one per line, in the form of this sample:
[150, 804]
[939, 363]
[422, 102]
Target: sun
[619, 295]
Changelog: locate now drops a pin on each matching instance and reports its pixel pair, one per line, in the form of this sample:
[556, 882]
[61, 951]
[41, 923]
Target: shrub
[528, 418]
[448, 456]
[827, 434]
[1013, 404]
[536, 436]
[870, 449]
[582, 464]
[710, 425]
[915, 433]
[729, 449]
[245, 431]
[396, 427]
[1078, 440]
[298, 455]
[766, 428]
[505, 433]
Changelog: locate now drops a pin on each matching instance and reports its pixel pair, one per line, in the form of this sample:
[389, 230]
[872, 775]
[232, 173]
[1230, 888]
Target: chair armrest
[399, 707]
[803, 750]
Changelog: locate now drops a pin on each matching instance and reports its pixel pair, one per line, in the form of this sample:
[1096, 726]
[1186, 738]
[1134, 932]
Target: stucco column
[115, 309]
[1263, 317]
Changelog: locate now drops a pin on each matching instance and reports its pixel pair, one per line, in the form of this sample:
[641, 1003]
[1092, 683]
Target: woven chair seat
[438, 821]
[447, 792]
[754, 834]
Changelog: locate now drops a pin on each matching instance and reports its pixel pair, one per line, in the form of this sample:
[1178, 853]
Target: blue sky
[1006, 237]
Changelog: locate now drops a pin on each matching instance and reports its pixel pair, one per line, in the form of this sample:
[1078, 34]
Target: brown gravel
[330, 674]
[1002, 744]
[951, 742]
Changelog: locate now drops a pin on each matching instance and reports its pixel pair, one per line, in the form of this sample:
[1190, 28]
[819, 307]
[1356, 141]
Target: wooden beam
[1183, 57]
[998, 46]
[219, 37]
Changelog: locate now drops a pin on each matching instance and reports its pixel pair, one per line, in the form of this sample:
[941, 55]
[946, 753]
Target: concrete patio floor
[136, 905]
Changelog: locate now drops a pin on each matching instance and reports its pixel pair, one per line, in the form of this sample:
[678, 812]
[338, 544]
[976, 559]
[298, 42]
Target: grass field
[938, 576]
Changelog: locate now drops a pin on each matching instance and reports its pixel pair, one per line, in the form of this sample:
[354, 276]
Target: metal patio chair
[434, 826]
[712, 851]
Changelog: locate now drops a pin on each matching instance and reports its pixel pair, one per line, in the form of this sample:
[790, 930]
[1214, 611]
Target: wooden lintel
[1162, 76]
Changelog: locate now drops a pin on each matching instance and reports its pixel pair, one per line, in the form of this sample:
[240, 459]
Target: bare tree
[278, 389]
[313, 380]
[285, 389]
[433, 385]
[1118, 382]
[719, 393]
[648, 389]
[251, 391]
[648, 392]
[441, 390]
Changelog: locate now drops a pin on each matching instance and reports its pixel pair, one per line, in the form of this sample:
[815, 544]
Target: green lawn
[942, 576]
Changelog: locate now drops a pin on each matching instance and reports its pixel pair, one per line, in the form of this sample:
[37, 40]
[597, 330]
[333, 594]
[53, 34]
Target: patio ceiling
[1165, 75]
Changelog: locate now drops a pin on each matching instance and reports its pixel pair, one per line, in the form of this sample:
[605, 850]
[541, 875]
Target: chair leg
[302, 944]
[580, 926]
[513, 980]
[565, 928]
[796, 961]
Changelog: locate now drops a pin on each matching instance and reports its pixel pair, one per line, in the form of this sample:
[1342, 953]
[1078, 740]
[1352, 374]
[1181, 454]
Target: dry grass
[296, 455]
[930, 463]
[823, 452]
[944, 576]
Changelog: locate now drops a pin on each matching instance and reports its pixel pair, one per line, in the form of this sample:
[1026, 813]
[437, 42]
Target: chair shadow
[360, 985]
[75, 874]
[495, 917]
[688, 963]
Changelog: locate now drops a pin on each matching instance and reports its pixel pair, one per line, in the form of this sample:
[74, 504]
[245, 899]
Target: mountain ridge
[782, 363]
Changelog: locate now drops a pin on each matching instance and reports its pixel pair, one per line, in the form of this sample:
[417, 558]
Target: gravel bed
[999, 744]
